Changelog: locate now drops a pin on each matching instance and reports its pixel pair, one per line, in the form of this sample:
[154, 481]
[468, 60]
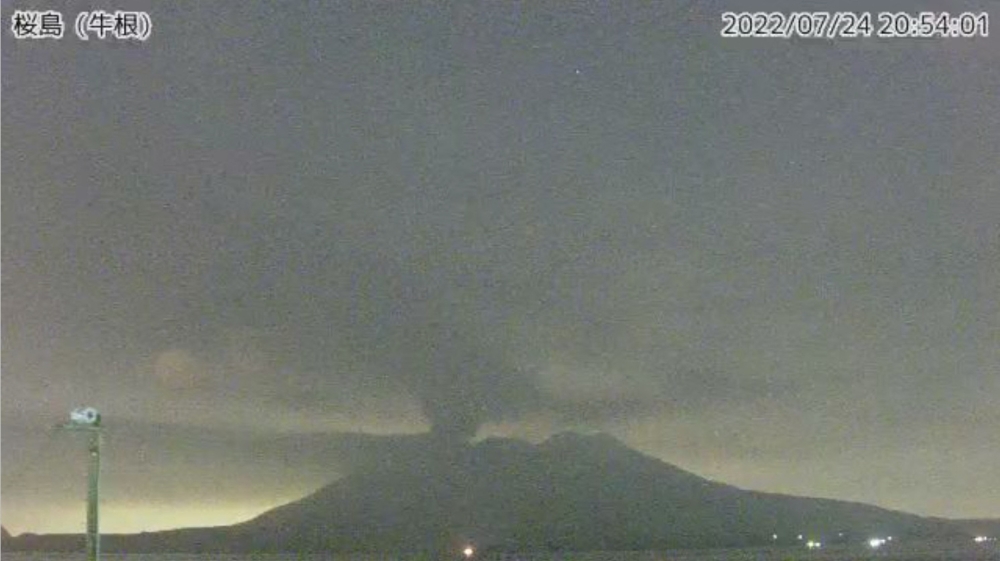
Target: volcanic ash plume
[459, 382]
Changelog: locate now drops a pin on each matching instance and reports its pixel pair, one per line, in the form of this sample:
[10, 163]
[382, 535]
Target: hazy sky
[274, 231]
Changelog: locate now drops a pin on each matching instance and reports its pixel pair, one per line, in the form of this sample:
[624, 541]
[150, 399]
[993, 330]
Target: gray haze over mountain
[275, 240]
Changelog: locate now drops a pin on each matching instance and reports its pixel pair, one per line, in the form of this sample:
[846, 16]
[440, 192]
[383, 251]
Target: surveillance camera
[85, 416]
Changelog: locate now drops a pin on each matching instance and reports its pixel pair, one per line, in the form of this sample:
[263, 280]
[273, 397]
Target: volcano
[572, 492]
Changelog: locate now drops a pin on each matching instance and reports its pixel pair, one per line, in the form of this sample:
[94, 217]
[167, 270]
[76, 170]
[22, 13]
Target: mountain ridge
[570, 492]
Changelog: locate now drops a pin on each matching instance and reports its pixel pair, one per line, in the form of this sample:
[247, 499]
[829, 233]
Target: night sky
[275, 239]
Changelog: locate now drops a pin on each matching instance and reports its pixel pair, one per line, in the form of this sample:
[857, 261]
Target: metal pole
[87, 419]
[93, 497]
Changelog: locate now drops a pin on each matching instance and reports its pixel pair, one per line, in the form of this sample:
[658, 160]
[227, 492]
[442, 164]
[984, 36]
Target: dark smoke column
[460, 382]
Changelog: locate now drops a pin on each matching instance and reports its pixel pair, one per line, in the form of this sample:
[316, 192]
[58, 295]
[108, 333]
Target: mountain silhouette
[572, 492]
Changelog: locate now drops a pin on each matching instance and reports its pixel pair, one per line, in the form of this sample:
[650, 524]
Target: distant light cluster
[876, 543]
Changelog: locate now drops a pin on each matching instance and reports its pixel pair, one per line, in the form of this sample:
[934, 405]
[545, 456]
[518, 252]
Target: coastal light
[876, 543]
[813, 545]
[468, 551]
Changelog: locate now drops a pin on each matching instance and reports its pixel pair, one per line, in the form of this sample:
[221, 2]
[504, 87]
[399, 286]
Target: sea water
[922, 553]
